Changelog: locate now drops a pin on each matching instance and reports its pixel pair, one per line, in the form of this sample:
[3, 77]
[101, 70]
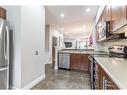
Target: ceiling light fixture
[88, 10]
[62, 15]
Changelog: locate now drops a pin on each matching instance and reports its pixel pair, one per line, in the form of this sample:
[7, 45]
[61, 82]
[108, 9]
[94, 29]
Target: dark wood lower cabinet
[105, 82]
[79, 62]
[84, 62]
[75, 60]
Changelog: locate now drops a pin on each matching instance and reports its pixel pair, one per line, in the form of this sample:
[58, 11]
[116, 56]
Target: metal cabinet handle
[107, 84]
[103, 82]
[4, 44]
[7, 51]
[90, 57]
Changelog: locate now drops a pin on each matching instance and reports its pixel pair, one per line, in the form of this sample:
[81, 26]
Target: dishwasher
[64, 60]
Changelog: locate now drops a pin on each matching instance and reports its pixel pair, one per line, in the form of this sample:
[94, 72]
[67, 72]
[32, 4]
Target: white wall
[33, 39]
[28, 23]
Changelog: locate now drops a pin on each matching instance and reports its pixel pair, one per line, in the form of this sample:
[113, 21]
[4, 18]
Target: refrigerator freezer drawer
[4, 79]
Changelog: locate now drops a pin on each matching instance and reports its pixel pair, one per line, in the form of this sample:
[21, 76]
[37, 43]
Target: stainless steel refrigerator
[4, 54]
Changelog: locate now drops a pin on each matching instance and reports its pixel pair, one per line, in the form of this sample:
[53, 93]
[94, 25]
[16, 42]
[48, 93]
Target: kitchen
[102, 53]
[84, 47]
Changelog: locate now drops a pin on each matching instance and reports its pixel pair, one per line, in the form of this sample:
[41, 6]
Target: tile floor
[63, 79]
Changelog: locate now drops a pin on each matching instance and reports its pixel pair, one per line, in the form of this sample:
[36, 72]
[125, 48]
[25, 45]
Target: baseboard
[56, 67]
[33, 83]
[50, 62]
[14, 88]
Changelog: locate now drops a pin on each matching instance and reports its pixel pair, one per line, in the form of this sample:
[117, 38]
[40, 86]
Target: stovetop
[101, 55]
[111, 55]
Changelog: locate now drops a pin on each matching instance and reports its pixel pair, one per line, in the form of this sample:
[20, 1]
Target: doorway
[54, 44]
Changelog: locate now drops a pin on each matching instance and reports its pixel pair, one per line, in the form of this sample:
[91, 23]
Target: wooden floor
[63, 79]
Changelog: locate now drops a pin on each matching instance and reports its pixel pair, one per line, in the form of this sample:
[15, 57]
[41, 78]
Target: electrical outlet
[36, 52]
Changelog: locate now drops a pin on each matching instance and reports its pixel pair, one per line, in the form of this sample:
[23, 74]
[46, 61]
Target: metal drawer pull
[108, 85]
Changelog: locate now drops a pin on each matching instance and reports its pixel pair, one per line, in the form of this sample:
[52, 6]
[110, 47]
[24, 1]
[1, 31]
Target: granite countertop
[116, 68]
[82, 51]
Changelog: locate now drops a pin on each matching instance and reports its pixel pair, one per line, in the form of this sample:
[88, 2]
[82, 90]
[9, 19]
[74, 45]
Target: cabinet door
[108, 16]
[75, 60]
[118, 16]
[2, 13]
[104, 77]
[84, 62]
[101, 77]
[110, 84]
[125, 15]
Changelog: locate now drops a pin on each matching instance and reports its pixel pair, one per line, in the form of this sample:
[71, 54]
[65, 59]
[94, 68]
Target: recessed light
[88, 10]
[62, 15]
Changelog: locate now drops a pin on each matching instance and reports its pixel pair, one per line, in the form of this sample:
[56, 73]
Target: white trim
[56, 67]
[50, 62]
[33, 83]
[14, 88]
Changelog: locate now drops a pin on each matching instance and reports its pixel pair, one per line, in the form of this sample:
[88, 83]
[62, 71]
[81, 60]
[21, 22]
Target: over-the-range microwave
[106, 31]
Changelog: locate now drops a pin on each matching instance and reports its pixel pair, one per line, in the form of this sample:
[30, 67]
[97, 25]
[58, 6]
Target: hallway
[63, 79]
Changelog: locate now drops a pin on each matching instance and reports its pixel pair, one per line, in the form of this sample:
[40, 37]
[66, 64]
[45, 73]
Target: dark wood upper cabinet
[118, 16]
[126, 12]
[108, 16]
[2, 13]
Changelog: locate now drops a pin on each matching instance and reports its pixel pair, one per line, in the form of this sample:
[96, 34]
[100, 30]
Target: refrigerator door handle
[7, 45]
[4, 44]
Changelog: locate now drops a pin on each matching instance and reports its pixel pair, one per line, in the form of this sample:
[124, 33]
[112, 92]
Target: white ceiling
[76, 23]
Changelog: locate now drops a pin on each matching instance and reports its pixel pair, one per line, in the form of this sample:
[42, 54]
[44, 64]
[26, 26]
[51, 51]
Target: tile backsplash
[108, 43]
